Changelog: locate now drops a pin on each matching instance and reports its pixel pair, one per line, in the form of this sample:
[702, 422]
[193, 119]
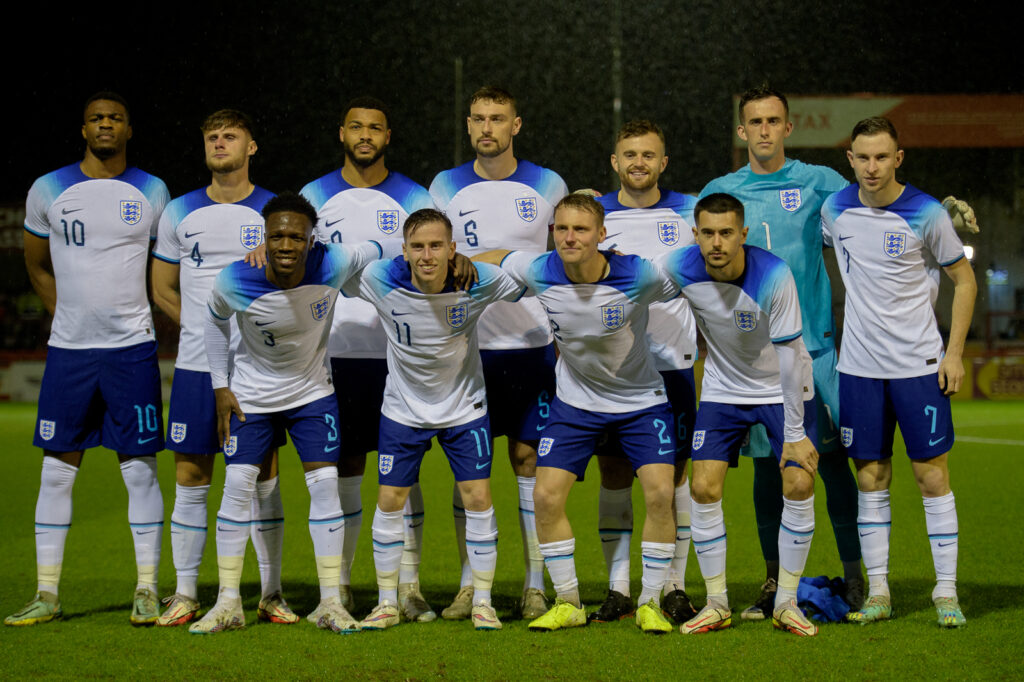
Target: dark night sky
[292, 67]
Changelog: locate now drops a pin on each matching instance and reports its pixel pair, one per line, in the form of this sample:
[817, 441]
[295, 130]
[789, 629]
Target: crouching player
[597, 305]
[435, 387]
[280, 381]
[745, 302]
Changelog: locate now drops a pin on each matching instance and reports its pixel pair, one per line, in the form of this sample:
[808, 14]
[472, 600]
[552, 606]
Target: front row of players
[605, 385]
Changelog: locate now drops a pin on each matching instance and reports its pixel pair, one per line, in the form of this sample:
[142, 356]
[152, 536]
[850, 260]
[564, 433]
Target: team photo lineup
[369, 314]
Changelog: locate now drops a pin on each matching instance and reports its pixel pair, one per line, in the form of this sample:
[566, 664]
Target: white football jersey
[604, 363]
[740, 321]
[202, 237]
[514, 214]
[435, 379]
[99, 232]
[281, 360]
[650, 232]
[347, 214]
[889, 259]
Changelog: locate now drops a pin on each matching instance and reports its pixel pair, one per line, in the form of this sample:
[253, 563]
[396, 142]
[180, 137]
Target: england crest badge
[456, 315]
[321, 308]
[385, 463]
[544, 447]
[251, 236]
[178, 431]
[895, 244]
[746, 321]
[231, 447]
[613, 316]
[847, 435]
[526, 207]
[387, 221]
[131, 212]
[698, 439]
[47, 429]
[790, 199]
[668, 233]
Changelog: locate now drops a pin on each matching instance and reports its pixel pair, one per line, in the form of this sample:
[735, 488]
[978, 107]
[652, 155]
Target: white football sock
[145, 516]
[459, 514]
[532, 559]
[874, 521]
[349, 492]
[233, 519]
[188, 535]
[482, 549]
[561, 564]
[677, 571]
[615, 527]
[267, 534]
[707, 522]
[327, 528]
[795, 533]
[413, 518]
[656, 558]
[388, 539]
[943, 535]
[53, 519]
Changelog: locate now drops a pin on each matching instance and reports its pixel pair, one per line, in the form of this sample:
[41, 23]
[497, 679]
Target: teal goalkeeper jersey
[783, 212]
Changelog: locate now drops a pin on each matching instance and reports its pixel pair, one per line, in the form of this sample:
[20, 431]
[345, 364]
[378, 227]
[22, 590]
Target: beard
[364, 162]
[104, 153]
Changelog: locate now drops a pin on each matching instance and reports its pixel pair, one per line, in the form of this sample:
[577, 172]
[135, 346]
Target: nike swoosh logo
[609, 236]
[145, 532]
[947, 544]
[331, 530]
[260, 529]
[701, 551]
[226, 529]
[263, 324]
[65, 211]
[397, 314]
[463, 213]
[482, 466]
[843, 239]
[415, 525]
[189, 236]
[608, 539]
[146, 440]
[328, 223]
[801, 542]
[825, 441]
[664, 452]
[482, 553]
[330, 448]
[933, 442]
[864, 535]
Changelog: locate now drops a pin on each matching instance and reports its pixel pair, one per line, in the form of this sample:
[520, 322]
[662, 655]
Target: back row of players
[617, 375]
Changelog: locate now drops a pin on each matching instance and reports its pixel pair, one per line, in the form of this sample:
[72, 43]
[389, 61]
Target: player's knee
[523, 457]
[797, 484]
[705, 491]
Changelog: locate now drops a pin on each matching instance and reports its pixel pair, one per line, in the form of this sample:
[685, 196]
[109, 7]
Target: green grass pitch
[95, 639]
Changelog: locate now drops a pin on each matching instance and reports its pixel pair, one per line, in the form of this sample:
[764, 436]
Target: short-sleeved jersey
[435, 379]
[202, 237]
[347, 214]
[514, 214]
[604, 363]
[99, 231]
[783, 212]
[889, 259]
[650, 232]
[281, 359]
[740, 320]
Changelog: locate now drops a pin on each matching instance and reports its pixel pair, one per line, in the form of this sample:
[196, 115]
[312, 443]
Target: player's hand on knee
[227, 405]
[803, 453]
[463, 272]
[257, 258]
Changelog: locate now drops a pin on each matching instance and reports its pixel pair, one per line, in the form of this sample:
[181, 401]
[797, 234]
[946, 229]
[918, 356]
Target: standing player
[646, 220]
[757, 372]
[782, 199]
[279, 381]
[597, 305]
[201, 233]
[498, 201]
[88, 228]
[890, 240]
[364, 200]
[435, 387]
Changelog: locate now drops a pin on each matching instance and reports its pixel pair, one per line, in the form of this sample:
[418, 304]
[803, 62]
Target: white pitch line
[990, 441]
